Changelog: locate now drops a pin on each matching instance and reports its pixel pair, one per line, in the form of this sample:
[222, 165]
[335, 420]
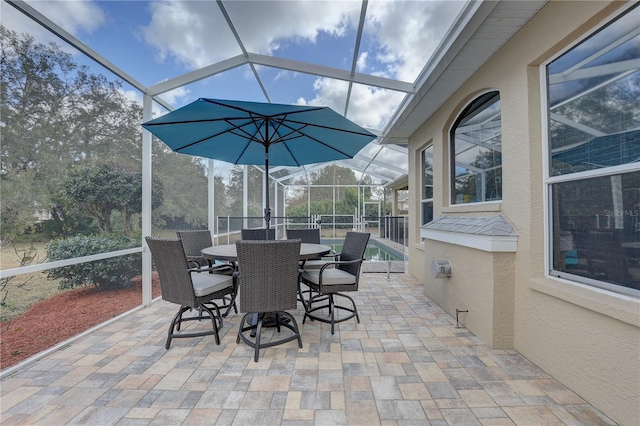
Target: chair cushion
[330, 276]
[205, 283]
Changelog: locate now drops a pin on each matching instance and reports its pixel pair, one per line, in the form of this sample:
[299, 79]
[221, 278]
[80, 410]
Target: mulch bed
[63, 316]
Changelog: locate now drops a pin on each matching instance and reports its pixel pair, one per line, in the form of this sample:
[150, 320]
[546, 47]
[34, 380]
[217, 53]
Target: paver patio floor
[405, 364]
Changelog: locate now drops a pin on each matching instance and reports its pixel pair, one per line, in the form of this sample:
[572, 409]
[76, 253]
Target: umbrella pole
[267, 210]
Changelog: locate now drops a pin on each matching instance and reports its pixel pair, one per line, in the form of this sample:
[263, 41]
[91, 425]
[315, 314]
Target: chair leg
[213, 320]
[257, 328]
[277, 315]
[307, 303]
[309, 313]
[294, 327]
[332, 313]
[228, 302]
[232, 304]
[353, 303]
[182, 311]
[312, 299]
[175, 325]
[301, 293]
[282, 319]
[177, 320]
[241, 328]
[256, 351]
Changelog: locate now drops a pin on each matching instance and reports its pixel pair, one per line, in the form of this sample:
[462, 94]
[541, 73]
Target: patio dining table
[227, 252]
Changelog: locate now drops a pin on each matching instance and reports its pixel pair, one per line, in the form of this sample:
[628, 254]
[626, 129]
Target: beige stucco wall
[480, 283]
[588, 339]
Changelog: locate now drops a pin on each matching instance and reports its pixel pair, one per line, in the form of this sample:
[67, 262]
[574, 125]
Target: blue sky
[159, 40]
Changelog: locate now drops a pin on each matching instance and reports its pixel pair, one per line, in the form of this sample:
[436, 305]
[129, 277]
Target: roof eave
[465, 48]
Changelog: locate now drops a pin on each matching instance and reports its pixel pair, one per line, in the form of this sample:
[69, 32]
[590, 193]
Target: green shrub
[106, 274]
[79, 224]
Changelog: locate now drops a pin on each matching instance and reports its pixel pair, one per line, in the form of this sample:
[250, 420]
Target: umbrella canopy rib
[248, 111]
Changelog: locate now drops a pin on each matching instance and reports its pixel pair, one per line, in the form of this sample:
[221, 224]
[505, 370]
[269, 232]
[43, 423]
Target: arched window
[476, 152]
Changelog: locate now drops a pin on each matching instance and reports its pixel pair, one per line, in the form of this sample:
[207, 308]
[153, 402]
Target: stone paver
[404, 363]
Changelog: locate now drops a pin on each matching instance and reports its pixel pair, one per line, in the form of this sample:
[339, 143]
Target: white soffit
[484, 29]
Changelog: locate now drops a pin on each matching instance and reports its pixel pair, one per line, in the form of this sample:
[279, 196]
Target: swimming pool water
[374, 251]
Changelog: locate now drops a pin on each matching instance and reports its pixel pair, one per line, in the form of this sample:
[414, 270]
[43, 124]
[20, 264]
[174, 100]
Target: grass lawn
[21, 291]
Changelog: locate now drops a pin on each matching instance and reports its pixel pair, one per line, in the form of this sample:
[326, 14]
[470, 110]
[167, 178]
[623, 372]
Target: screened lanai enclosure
[332, 197]
[83, 183]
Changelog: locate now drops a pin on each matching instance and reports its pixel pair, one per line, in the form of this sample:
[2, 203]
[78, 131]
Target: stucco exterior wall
[584, 337]
[480, 283]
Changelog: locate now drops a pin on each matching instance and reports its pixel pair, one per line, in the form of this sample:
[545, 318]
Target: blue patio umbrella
[258, 133]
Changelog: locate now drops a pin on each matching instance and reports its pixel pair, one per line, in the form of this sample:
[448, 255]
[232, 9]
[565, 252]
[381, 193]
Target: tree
[184, 180]
[254, 195]
[221, 200]
[330, 175]
[101, 190]
[56, 113]
[489, 163]
[17, 209]
[322, 184]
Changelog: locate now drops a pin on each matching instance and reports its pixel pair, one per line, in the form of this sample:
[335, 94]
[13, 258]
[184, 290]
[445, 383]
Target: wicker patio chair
[268, 280]
[258, 234]
[311, 235]
[188, 288]
[306, 235]
[335, 278]
[193, 241]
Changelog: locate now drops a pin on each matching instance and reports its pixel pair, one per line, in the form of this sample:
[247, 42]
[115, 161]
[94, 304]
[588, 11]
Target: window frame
[550, 180]
[423, 183]
[462, 114]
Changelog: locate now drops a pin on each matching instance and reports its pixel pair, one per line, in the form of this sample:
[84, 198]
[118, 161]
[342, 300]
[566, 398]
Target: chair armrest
[332, 254]
[340, 262]
[215, 268]
[193, 264]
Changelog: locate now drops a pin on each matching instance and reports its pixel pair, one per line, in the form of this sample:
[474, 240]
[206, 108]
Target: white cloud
[190, 33]
[409, 32]
[369, 107]
[265, 25]
[132, 95]
[400, 37]
[284, 75]
[74, 16]
[195, 34]
[362, 62]
[173, 97]
[176, 96]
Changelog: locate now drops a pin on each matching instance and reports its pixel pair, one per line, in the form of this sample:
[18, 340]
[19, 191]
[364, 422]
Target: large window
[426, 200]
[594, 149]
[476, 152]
